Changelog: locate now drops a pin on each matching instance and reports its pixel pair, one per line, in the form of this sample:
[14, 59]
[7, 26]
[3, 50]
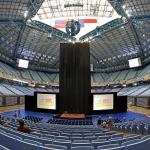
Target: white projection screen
[46, 101]
[103, 101]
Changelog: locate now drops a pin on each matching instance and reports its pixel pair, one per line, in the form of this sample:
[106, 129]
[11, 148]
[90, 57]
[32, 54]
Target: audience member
[104, 124]
[2, 122]
[99, 121]
[110, 122]
[23, 128]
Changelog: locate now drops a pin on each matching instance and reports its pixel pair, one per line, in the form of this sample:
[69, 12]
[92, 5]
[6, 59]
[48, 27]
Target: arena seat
[63, 143]
[58, 147]
[96, 144]
[108, 146]
[83, 148]
[3, 148]
[17, 144]
[80, 144]
[33, 142]
[140, 145]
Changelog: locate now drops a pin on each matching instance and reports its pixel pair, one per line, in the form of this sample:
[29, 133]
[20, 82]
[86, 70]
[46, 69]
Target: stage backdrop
[74, 78]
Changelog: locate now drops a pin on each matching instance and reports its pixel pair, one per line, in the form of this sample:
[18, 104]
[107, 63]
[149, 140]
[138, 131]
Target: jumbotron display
[103, 101]
[46, 101]
[22, 63]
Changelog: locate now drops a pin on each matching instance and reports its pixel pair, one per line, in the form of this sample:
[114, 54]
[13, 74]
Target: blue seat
[116, 148]
[62, 137]
[131, 142]
[117, 141]
[117, 135]
[14, 136]
[76, 138]
[33, 142]
[16, 144]
[3, 148]
[57, 147]
[129, 138]
[81, 141]
[96, 144]
[80, 144]
[141, 145]
[63, 143]
[108, 146]
[83, 148]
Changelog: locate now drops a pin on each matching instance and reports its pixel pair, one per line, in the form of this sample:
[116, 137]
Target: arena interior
[43, 78]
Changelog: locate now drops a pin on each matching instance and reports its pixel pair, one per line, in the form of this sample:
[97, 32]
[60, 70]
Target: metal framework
[111, 44]
[75, 8]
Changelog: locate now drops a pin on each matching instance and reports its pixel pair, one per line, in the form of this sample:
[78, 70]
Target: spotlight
[69, 40]
[123, 6]
[49, 35]
[26, 14]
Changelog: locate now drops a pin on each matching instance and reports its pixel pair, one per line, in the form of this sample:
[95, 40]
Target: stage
[72, 116]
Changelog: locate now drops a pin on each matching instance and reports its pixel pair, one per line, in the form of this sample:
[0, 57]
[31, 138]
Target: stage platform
[72, 116]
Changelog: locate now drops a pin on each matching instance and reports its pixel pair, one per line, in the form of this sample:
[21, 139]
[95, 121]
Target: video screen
[46, 101]
[23, 63]
[136, 62]
[103, 101]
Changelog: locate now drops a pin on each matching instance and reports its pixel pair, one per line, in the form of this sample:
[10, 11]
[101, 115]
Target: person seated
[110, 122]
[2, 122]
[104, 124]
[23, 128]
[99, 121]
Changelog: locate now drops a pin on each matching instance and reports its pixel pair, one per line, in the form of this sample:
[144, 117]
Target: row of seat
[136, 126]
[70, 122]
[10, 140]
[68, 136]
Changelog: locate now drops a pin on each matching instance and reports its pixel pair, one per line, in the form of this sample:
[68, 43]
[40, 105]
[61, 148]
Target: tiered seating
[23, 89]
[51, 76]
[35, 76]
[97, 77]
[113, 76]
[48, 136]
[14, 90]
[56, 80]
[9, 70]
[131, 74]
[43, 76]
[26, 75]
[122, 75]
[5, 91]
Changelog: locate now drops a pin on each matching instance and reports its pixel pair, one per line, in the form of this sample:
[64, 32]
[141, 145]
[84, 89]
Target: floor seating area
[75, 137]
[70, 121]
[134, 126]
[33, 119]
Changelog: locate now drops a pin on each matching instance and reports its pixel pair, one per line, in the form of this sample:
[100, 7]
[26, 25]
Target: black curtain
[74, 76]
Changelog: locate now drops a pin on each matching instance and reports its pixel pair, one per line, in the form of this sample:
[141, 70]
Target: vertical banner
[75, 81]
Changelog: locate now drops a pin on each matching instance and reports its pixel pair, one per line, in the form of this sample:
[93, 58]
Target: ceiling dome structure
[120, 31]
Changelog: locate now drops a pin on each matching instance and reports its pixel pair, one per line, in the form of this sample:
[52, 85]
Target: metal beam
[46, 28]
[33, 7]
[22, 28]
[11, 21]
[117, 4]
[143, 17]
